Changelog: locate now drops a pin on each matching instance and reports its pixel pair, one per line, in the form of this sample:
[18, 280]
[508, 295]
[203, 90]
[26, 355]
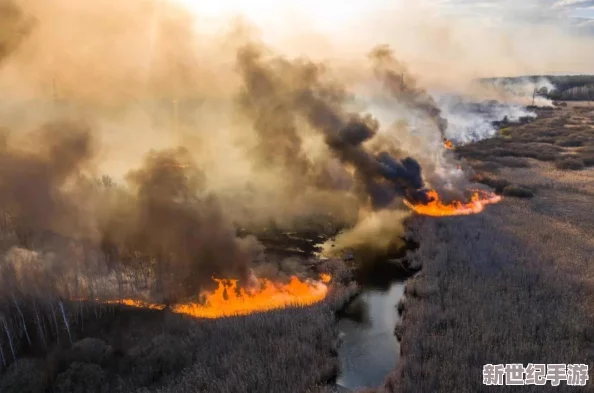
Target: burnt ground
[514, 284]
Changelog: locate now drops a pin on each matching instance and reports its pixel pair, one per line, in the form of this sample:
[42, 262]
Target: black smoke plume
[304, 92]
[34, 176]
[182, 227]
[162, 219]
[268, 102]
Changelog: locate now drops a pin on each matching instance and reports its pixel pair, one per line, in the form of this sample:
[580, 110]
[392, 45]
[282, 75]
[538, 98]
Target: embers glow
[229, 299]
[437, 208]
[448, 144]
[137, 304]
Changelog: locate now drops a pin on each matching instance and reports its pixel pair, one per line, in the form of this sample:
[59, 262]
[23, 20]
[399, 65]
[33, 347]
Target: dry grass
[551, 137]
[72, 346]
[512, 285]
[136, 350]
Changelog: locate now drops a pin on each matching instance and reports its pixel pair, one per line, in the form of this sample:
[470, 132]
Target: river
[369, 350]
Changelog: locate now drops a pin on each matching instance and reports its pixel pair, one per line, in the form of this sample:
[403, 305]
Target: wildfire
[229, 299]
[448, 144]
[437, 208]
[137, 304]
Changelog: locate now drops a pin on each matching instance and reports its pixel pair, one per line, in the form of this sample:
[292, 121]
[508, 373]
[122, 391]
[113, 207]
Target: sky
[572, 14]
[487, 37]
[568, 12]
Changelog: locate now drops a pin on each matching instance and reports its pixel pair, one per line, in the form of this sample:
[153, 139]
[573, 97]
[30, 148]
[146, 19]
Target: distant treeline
[567, 87]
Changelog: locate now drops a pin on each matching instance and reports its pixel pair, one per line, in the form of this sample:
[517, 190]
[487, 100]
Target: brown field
[516, 283]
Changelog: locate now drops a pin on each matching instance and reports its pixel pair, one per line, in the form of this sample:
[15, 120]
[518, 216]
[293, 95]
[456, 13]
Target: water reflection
[369, 349]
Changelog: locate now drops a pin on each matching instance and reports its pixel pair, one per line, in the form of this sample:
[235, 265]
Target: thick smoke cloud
[162, 216]
[183, 227]
[471, 121]
[269, 139]
[307, 93]
[33, 178]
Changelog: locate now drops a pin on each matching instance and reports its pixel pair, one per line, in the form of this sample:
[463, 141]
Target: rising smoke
[114, 89]
[521, 91]
[307, 93]
[402, 86]
[471, 121]
[35, 176]
[162, 217]
[181, 226]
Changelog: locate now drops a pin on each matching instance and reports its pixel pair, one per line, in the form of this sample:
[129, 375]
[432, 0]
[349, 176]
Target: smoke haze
[321, 121]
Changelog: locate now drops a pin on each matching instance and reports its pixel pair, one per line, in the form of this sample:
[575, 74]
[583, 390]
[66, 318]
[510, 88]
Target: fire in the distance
[229, 299]
[437, 208]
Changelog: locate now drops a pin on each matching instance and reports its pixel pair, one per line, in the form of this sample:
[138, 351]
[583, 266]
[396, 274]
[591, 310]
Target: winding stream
[369, 349]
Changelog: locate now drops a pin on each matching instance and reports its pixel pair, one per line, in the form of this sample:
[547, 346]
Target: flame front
[437, 208]
[230, 299]
[448, 144]
[137, 304]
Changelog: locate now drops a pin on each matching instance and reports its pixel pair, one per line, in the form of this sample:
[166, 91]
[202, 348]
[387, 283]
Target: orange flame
[448, 144]
[437, 208]
[229, 299]
[137, 304]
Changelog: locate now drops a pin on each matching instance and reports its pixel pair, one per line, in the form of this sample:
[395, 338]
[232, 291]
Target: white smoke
[521, 90]
[469, 118]
[470, 121]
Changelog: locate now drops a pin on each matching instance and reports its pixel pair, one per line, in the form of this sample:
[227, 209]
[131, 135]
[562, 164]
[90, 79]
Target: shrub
[487, 166]
[400, 306]
[522, 145]
[517, 191]
[91, 350]
[505, 132]
[399, 331]
[498, 184]
[513, 162]
[569, 163]
[588, 159]
[586, 154]
[569, 143]
[163, 355]
[546, 139]
[82, 378]
[24, 376]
